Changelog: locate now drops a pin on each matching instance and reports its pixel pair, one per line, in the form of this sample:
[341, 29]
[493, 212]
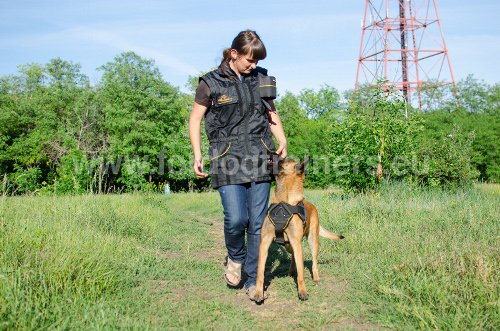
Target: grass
[412, 259]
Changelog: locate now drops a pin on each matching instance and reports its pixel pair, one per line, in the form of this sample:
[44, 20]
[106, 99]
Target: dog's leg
[296, 242]
[292, 270]
[266, 238]
[313, 239]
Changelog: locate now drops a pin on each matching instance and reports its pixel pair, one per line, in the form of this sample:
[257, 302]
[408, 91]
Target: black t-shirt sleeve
[202, 95]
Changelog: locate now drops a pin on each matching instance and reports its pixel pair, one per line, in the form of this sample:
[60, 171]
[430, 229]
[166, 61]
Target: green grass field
[412, 259]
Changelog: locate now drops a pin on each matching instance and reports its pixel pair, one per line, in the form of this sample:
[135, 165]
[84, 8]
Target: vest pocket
[228, 97]
[272, 160]
[218, 153]
[226, 106]
[268, 144]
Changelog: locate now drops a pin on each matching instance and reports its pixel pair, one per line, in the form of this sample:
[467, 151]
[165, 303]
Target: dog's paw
[256, 295]
[303, 296]
[258, 298]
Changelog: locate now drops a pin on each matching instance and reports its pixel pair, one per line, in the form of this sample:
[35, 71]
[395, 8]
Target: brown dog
[290, 189]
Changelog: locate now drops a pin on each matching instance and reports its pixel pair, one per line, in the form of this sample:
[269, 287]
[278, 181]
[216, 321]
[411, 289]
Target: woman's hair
[246, 42]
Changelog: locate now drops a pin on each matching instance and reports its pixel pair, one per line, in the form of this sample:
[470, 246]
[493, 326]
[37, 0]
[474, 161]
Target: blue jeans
[245, 207]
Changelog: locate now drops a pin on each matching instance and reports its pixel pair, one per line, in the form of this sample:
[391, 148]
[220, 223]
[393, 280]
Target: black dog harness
[280, 215]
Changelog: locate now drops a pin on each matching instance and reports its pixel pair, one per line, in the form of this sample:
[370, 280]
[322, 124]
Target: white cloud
[121, 42]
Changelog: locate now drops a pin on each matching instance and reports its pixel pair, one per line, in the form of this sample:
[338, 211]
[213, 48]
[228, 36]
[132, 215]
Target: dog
[290, 189]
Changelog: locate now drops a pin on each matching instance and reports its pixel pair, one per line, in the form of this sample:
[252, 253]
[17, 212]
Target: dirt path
[276, 307]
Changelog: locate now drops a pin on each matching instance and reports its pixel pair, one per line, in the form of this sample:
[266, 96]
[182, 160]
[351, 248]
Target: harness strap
[280, 215]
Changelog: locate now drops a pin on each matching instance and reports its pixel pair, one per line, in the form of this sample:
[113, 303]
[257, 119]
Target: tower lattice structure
[403, 48]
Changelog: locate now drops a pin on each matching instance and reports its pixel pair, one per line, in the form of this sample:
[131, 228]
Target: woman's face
[242, 63]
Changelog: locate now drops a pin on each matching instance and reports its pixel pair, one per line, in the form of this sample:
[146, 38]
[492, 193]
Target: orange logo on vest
[224, 99]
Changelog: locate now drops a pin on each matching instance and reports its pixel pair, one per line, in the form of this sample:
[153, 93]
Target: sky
[310, 43]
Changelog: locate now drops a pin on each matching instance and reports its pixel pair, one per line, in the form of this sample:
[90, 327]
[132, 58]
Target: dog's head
[290, 167]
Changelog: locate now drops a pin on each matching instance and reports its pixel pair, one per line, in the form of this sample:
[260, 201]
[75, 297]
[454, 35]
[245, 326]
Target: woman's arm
[278, 132]
[195, 136]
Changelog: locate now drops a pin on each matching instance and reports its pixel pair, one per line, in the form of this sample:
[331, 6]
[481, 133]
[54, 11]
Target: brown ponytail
[226, 55]
[246, 42]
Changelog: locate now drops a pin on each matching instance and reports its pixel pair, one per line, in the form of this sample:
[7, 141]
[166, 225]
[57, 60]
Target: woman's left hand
[279, 133]
[281, 151]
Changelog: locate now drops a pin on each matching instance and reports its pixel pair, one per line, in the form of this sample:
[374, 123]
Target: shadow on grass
[278, 256]
[277, 266]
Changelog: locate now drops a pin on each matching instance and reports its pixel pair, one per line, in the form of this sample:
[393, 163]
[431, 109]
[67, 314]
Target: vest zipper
[249, 110]
[241, 102]
[245, 116]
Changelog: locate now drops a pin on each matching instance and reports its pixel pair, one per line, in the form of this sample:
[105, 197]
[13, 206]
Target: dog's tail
[330, 235]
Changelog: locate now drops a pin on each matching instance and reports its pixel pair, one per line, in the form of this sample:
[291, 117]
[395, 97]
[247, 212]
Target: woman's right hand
[198, 168]
[194, 135]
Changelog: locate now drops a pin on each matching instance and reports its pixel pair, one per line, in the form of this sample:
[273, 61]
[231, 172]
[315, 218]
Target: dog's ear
[301, 167]
[281, 160]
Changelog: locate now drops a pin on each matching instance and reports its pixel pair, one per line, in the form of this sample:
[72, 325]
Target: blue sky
[310, 43]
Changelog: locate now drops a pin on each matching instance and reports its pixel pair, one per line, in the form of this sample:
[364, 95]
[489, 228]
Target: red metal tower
[402, 45]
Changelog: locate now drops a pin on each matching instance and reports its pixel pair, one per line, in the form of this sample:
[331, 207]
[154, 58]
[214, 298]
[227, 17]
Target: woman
[239, 119]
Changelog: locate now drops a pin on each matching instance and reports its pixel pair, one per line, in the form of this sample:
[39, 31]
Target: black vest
[237, 128]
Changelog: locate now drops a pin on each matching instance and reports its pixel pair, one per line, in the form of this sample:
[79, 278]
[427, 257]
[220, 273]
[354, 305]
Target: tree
[437, 97]
[473, 94]
[142, 114]
[321, 104]
[37, 105]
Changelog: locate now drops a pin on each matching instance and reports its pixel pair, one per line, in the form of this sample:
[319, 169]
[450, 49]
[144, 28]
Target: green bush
[25, 180]
[446, 161]
[373, 142]
[380, 139]
[485, 155]
[73, 175]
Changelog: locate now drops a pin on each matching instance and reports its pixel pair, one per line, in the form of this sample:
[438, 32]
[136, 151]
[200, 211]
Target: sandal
[233, 269]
